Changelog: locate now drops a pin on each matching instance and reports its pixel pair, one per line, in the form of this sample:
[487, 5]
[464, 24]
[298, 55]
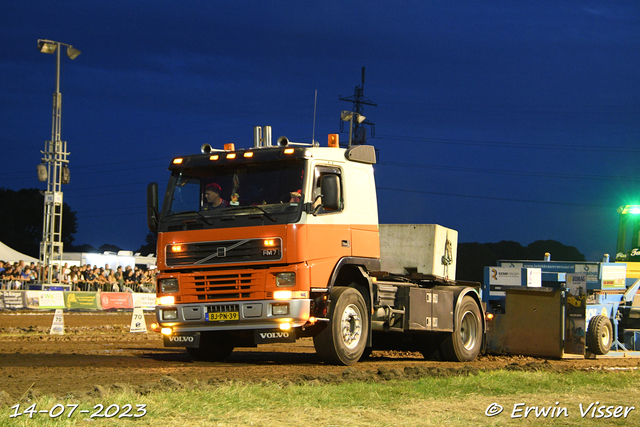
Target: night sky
[503, 120]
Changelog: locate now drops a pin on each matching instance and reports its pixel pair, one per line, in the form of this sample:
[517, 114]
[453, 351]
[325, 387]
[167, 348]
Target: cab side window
[331, 179]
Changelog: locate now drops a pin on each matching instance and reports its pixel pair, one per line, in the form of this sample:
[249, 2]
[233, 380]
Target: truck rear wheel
[214, 347]
[599, 335]
[463, 344]
[344, 339]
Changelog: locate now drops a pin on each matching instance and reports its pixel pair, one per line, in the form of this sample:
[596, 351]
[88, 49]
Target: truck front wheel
[344, 339]
[463, 344]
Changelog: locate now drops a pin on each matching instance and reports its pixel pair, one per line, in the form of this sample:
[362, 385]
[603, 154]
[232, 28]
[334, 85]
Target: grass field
[526, 398]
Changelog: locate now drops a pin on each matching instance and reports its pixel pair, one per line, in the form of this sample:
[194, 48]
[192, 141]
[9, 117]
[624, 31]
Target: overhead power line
[519, 172]
[528, 146]
[504, 199]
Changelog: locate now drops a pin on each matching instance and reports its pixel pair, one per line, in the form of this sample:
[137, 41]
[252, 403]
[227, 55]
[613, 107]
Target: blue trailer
[562, 309]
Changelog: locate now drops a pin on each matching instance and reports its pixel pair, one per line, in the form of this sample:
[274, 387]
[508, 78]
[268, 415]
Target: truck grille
[222, 285]
[223, 308]
[224, 252]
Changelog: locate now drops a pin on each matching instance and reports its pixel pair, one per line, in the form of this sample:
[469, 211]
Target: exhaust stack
[261, 139]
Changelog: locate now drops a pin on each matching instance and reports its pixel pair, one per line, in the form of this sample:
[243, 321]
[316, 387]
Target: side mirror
[152, 206]
[330, 187]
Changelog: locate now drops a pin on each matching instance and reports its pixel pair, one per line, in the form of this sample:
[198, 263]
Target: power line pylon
[359, 101]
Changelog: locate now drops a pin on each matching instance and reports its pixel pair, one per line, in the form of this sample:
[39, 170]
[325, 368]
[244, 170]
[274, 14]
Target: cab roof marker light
[214, 157]
[288, 151]
[248, 154]
[231, 156]
[178, 161]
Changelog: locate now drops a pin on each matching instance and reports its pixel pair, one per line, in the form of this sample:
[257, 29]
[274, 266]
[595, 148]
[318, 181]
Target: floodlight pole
[55, 158]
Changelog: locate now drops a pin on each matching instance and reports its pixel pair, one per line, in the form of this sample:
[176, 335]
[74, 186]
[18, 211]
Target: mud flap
[266, 336]
[182, 339]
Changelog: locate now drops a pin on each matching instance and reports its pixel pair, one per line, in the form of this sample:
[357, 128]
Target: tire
[214, 347]
[344, 339]
[599, 335]
[465, 342]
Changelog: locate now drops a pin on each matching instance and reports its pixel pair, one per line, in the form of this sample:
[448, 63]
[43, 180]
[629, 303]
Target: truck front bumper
[235, 315]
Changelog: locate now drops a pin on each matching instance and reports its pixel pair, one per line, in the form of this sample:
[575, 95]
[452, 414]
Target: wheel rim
[351, 326]
[605, 337]
[469, 330]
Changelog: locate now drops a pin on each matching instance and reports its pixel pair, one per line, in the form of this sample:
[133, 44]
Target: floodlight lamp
[629, 209]
[72, 52]
[346, 116]
[360, 118]
[47, 46]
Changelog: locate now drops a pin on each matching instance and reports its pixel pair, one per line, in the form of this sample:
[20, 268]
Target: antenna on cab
[313, 132]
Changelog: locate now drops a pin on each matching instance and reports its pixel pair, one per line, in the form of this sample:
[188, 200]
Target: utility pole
[54, 169]
[359, 101]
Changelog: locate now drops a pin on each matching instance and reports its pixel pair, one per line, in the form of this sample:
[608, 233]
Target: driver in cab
[212, 197]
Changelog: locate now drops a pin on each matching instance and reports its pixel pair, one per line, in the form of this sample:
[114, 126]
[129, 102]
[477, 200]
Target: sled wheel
[599, 335]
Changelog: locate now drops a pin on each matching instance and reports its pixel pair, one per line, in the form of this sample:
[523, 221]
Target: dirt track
[98, 352]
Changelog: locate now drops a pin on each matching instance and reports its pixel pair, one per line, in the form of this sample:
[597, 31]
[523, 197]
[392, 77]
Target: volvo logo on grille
[222, 252]
[270, 336]
[274, 335]
[181, 339]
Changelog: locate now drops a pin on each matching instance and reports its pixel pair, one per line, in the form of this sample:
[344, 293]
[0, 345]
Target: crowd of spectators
[19, 275]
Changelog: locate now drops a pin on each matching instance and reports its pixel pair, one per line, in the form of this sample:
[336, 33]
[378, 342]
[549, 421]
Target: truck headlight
[170, 314]
[285, 280]
[280, 309]
[168, 286]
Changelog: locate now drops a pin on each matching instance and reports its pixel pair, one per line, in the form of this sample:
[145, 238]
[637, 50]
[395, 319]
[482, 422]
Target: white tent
[11, 255]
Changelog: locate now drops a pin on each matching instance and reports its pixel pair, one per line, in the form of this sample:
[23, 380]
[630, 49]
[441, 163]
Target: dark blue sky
[503, 120]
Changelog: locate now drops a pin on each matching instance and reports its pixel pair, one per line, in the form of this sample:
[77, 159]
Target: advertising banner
[146, 301]
[72, 300]
[115, 300]
[51, 299]
[32, 299]
[13, 300]
[81, 300]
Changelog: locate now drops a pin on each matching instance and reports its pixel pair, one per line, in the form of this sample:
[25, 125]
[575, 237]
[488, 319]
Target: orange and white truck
[281, 241]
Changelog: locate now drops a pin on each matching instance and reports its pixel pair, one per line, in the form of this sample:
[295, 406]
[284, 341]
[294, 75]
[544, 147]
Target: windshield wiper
[204, 218]
[238, 208]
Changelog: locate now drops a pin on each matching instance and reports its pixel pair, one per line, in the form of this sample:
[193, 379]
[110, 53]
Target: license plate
[223, 317]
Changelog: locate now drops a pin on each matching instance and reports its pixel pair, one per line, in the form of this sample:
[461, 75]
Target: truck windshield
[270, 190]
